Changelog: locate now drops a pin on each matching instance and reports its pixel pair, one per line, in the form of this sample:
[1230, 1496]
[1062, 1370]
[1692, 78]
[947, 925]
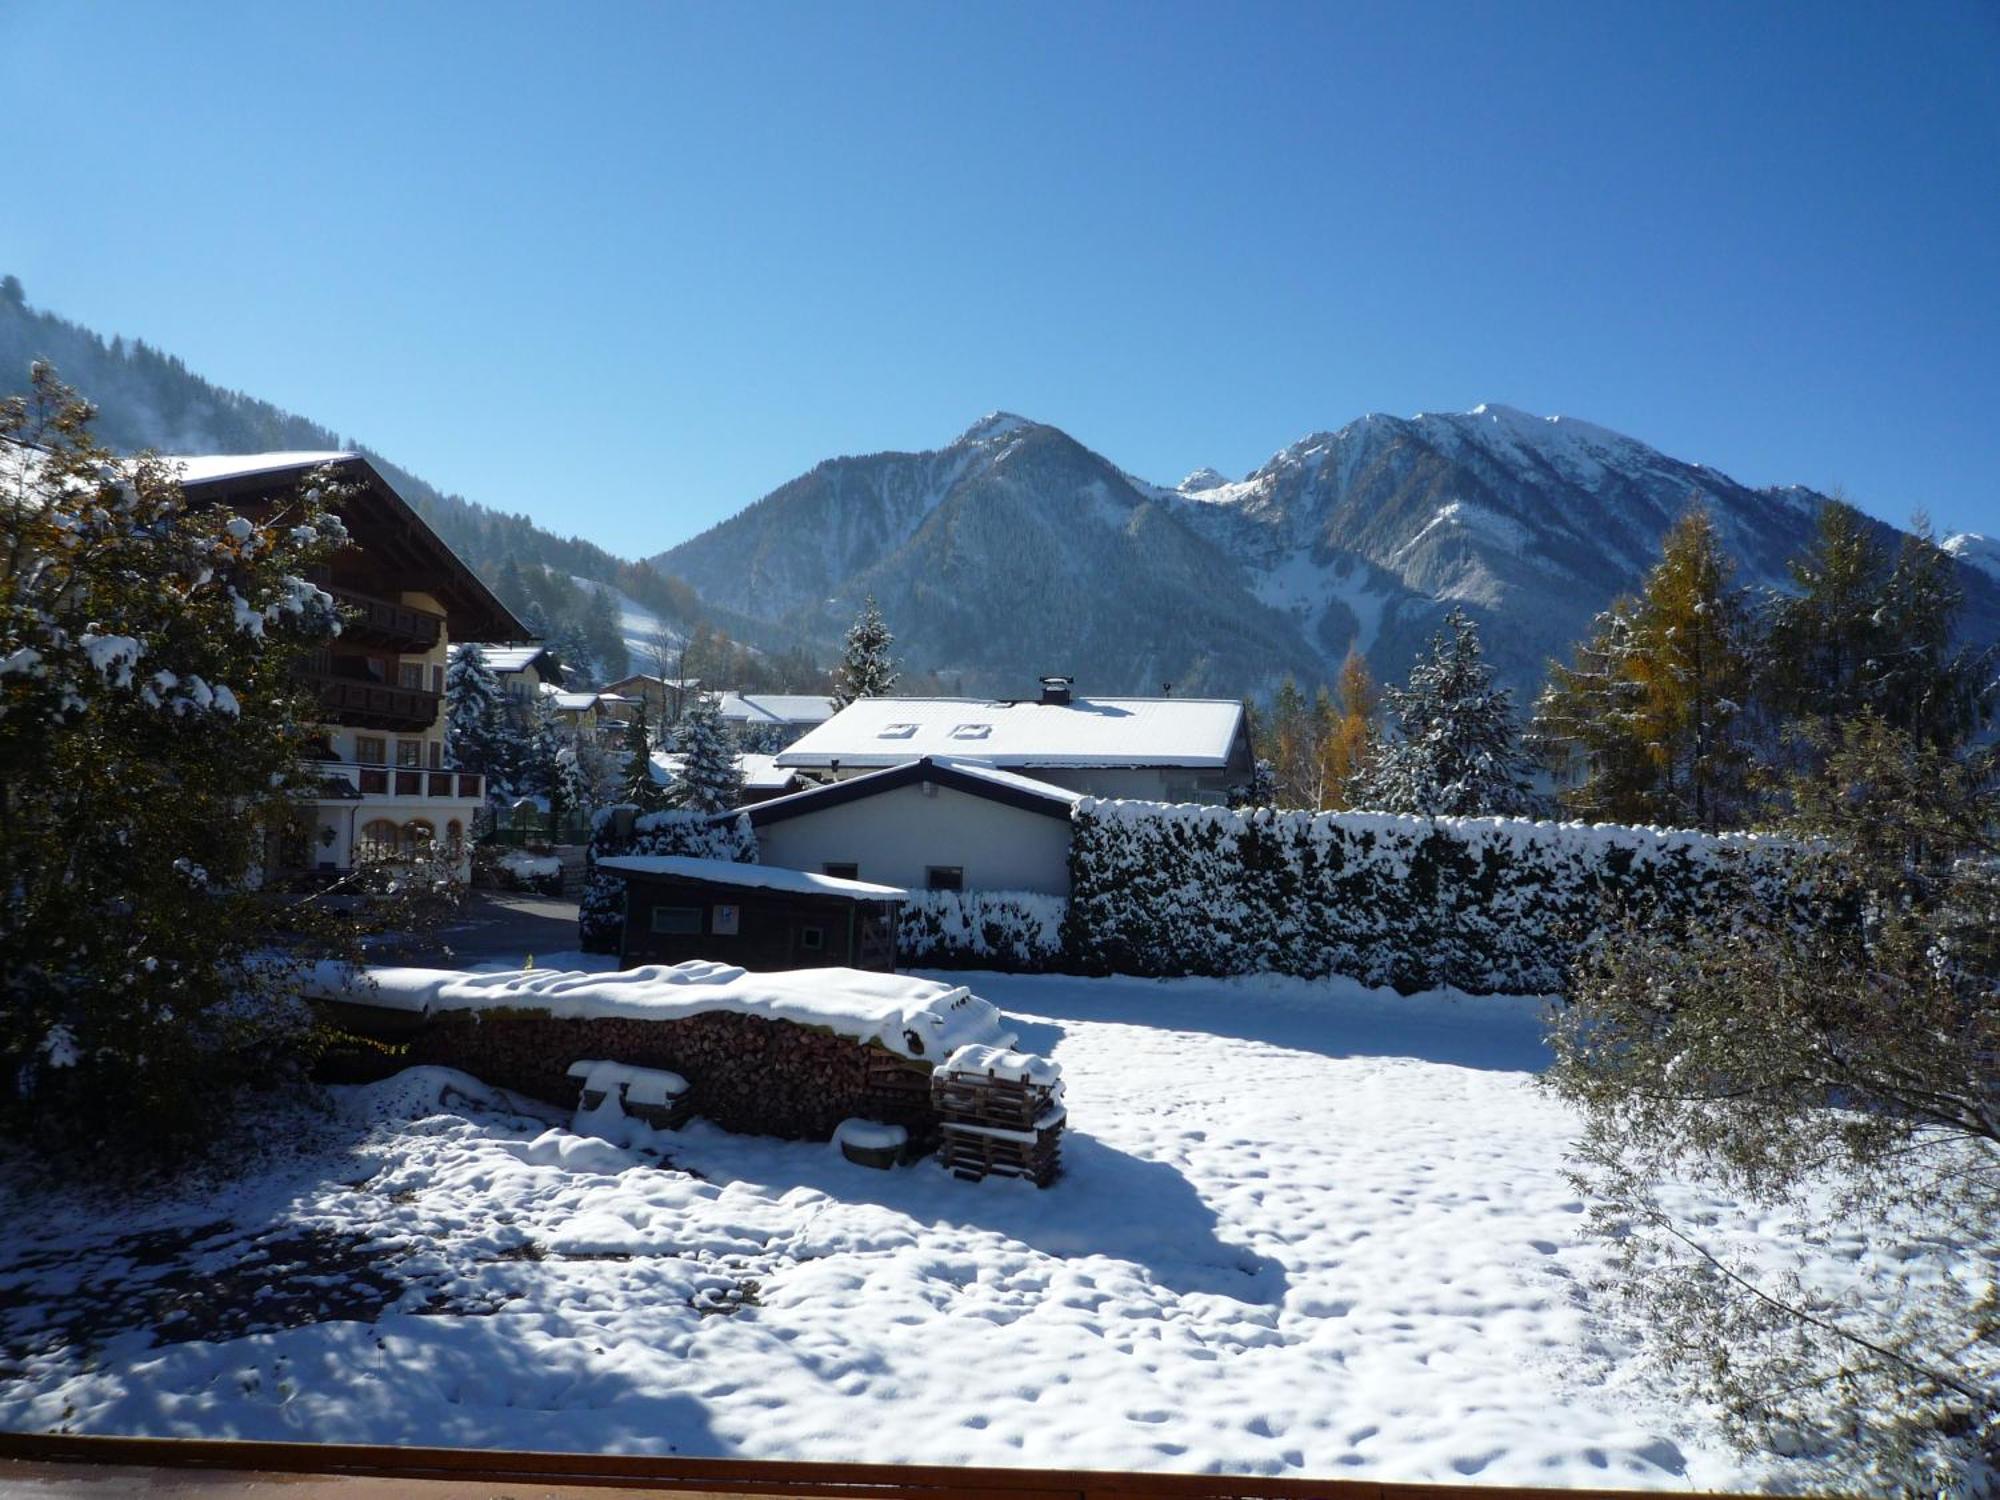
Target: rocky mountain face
[1015, 550]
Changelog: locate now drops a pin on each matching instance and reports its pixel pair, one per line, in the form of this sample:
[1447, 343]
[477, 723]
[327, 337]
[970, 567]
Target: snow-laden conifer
[1457, 752]
[866, 669]
[711, 778]
[476, 730]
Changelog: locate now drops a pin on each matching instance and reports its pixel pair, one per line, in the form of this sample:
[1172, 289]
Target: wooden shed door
[877, 944]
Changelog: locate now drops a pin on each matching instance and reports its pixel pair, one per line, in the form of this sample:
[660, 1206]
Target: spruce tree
[475, 712]
[639, 788]
[866, 669]
[1457, 753]
[711, 777]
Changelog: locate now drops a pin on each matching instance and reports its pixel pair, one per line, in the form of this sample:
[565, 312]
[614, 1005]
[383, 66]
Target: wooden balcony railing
[403, 781]
[373, 705]
[385, 622]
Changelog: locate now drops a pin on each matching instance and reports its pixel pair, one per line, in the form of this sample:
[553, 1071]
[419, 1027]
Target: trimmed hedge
[1486, 904]
[1019, 932]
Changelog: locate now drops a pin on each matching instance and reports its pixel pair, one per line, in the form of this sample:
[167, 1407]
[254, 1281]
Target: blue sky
[627, 268]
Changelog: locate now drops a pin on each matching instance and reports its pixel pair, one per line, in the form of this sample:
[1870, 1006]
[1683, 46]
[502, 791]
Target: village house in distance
[386, 790]
[976, 794]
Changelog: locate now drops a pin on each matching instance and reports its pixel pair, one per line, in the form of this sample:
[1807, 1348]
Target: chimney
[1056, 689]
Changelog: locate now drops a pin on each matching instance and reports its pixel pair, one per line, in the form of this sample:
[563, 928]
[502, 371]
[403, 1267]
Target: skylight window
[896, 732]
[971, 731]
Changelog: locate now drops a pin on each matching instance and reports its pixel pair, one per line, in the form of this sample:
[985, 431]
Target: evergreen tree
[711, 777]
[1457, 752]
[639, 787]
[154, 738]
[866, 669]
[1293, 748]
[1932, 691]
[1652, 709]
[602, 635]
[1353, 740]
[476, 729]
[1824, 652]
[511, 588]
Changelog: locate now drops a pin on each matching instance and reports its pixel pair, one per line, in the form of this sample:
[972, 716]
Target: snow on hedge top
[915, 1018]
[1521, 832]
[1197, 732]
[755, 877]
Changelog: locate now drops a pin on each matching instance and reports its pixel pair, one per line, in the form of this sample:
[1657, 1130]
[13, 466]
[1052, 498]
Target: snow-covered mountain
[1014, 550]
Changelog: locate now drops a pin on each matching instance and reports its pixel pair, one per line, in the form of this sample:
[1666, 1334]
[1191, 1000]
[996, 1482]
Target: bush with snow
[1015, 931]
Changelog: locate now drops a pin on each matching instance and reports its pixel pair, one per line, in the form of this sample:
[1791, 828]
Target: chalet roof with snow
[398, 543]
[761, 773]
[757, 710]
[988, 782]
[1197, 733]
[504, 659]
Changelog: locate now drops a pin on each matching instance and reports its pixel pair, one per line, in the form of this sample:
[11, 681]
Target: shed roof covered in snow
[1197, 733]
[748, 877]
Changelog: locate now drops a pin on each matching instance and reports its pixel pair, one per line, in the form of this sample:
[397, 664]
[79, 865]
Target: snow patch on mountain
[641, 629]
[1976, 551]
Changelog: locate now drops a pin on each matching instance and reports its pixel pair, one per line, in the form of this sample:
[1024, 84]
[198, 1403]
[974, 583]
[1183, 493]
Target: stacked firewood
[1000, 1113]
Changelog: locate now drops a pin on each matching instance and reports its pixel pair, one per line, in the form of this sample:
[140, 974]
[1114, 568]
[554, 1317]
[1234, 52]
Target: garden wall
[1485, 904]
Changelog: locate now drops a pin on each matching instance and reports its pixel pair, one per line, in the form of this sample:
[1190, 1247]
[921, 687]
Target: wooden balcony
[403, 782]
[361, 704]
[371, 621]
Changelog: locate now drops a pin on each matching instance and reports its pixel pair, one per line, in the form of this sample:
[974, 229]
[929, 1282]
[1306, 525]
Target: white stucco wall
[896, 835]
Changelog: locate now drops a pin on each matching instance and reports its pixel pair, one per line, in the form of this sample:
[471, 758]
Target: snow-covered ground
[1305, 1228]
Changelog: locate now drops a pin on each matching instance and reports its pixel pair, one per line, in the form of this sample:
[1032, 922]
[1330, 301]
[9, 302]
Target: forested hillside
[148, 398]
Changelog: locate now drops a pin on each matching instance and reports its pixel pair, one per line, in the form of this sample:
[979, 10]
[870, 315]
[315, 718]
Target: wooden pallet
[998, 1127]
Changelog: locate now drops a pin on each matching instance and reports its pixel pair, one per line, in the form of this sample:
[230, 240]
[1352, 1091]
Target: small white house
[1152, 749]
[930, 824]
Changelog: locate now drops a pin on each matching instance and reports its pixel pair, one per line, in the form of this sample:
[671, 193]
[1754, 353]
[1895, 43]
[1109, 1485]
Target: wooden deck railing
[352, 1470]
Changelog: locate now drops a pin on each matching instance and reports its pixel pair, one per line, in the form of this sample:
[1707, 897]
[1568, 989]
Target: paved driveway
[497, 925]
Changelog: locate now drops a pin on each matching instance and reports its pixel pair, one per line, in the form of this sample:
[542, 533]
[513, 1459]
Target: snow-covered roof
[776, 708]
[570, 703]
[1195, 732]
[510, 658]
[750, 877]
[977, 780]
[207, 468]
[888, 1009]
[761, 773]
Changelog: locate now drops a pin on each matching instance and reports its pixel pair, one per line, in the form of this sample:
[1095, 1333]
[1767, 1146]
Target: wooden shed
[759, 916]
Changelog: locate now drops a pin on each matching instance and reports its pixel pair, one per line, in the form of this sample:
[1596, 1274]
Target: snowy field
[1305, 1229]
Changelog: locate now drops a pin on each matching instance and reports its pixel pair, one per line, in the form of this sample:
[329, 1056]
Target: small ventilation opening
[1056, 689]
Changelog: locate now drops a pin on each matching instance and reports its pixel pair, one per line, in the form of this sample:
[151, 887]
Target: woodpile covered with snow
[788, 1054]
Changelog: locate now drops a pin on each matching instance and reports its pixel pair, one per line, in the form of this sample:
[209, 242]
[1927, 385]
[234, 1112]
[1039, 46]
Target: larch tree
[1653, 708]
[1457, 751]
[711, 775]
[866, 669]
[1353, 741]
